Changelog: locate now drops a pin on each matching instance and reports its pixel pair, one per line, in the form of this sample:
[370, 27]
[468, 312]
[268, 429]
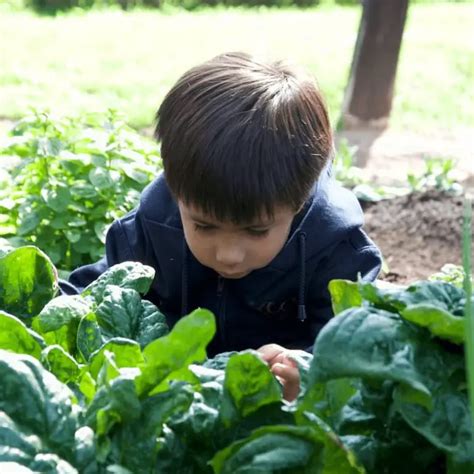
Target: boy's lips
[233, 276]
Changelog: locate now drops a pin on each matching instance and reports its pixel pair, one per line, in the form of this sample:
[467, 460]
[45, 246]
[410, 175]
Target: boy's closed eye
[252, 231]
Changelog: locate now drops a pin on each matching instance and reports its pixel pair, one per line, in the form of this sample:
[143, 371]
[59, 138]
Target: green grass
[99, 59]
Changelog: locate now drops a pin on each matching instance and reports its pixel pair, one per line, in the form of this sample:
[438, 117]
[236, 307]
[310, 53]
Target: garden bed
[417, 233]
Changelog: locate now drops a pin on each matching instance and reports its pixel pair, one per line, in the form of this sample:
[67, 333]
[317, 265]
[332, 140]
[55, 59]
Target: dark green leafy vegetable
[168, 358]
[127, 275]
[285, 449]
[16, 337]
[387, 379]
[28, 281]
[409, 377]
[39, 415]
[248, 385]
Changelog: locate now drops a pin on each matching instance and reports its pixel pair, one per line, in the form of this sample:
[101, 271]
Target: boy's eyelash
[201, 227]
[252, 232]
[258, 233]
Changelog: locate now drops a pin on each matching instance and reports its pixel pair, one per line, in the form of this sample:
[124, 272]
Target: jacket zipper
[221, 306]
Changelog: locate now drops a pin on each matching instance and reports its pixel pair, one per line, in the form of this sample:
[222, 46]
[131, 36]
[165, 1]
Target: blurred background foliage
[61, 5]
[90, 60]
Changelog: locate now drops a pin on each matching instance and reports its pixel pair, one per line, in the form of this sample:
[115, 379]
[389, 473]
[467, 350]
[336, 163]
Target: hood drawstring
[184, 280]
[301, 293]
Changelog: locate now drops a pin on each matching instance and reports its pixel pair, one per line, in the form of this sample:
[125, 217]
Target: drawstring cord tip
[301, 312]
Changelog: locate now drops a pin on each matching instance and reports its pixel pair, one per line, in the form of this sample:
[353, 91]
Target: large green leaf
[369, 425]
[16, 337]
[59, 320]
[137, 439]
[248, 385]
[192, 438]
[370, 343]
[344, 294]
[326, 399]
[61, 364]
[438, 321]
[447, 424]
[132, 275]
[285, 449]
[89, 336]
[119, 312]
[168, 358]
[440, 294]
[38, 403]
[151, 325]
[126, 353]
[28, 280]
[114, 403]
[379, 347]
[61, 311]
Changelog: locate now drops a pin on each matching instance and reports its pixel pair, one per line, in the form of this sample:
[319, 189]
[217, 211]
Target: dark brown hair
[239, 137]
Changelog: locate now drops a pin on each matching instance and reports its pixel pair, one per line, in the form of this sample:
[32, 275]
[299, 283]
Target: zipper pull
[301, 313]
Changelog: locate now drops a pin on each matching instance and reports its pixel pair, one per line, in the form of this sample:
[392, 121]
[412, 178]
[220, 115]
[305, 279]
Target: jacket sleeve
[354, 256]
[117, 250]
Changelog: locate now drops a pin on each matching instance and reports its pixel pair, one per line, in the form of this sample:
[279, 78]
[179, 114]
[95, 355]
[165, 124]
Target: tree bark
[369, 93]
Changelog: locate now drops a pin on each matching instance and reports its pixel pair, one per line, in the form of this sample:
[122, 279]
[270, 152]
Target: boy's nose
[230, 256]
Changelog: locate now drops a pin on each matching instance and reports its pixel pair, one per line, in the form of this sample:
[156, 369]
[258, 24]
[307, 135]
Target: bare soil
[417, 233]
[421, 232]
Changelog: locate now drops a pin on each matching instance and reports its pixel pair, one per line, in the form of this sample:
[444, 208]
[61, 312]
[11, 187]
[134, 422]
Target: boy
[246, 220]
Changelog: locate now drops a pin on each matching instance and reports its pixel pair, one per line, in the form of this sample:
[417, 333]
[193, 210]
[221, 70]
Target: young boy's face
[234, 251]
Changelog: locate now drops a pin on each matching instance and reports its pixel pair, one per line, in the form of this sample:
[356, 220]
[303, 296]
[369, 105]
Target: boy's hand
[283, 367]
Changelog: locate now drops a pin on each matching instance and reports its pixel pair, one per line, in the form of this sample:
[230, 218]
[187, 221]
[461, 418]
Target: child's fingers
[270, 351]
[287, 373]
[289, 377]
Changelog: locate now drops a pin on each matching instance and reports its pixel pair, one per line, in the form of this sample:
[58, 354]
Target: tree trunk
[369, 93]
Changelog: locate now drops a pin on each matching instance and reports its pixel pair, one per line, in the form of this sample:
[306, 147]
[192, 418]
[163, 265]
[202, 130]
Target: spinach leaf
[89, 336]
[125, 352]
[344, 294]
[151, 324]
[285, 449]
[119, 312]
[15, 336]
[168, 358]
[438, 293]
[438, 321]
[28, 280]
[61, 364]
[378, 347]
[59, 320]
[127, 275]
[248, 385]
[39, 406]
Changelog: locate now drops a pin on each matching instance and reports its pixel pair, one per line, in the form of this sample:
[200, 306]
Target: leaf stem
[469, 317]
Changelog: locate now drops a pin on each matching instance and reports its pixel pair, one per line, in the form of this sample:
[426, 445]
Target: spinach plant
[72, 178]
[96, 383]
[104, 387]
[396, 357]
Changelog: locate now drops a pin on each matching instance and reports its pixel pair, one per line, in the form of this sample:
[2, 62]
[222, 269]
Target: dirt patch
[417, 233]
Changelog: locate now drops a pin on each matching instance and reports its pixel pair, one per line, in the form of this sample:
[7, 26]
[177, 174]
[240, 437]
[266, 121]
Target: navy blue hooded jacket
[286, 302]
